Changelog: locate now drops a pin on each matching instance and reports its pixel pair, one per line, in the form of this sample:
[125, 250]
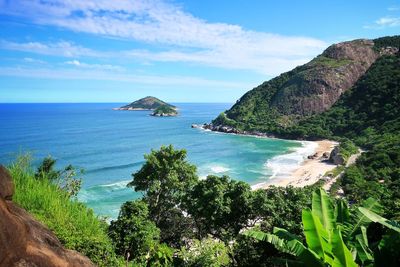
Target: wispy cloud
[80, 64]
[190, 39]
[62, 48]
[103, 75]
[384, 22]
[34, 60]
[388, 21]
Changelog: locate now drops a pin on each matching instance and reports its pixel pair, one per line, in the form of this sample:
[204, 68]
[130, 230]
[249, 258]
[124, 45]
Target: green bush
[75, 225]
[133, 233]
[206, 252]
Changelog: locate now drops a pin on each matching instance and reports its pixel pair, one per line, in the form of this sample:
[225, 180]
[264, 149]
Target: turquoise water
[110, 145]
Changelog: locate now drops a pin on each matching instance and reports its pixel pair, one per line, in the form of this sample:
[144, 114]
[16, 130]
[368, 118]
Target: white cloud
[34, 60]
[103, 75]
[62, 48]
[79, 64]
[388, 22]
[190, 39]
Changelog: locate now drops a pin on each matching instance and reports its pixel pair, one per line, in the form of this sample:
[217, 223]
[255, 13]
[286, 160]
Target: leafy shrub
[133, 233]
[205, 252]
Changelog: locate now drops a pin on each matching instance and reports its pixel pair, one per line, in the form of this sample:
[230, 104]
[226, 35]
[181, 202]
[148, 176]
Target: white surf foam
[117, 185]
[219, 169]
[284, 165]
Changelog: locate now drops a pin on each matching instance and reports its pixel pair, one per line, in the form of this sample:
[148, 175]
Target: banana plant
[337, 237]
[324, 241]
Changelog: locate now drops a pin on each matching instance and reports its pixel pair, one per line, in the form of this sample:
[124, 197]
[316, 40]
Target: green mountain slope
[284, 102]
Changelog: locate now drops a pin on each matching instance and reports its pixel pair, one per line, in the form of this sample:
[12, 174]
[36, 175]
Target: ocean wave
[284, 165]
[100, 192]
[116, 167]
[219, 169]
[117, 185]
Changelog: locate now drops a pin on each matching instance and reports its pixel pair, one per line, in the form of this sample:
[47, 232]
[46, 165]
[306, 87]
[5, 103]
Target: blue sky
[180, 51]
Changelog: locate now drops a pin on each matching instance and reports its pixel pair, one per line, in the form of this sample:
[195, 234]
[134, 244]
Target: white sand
[309, 172]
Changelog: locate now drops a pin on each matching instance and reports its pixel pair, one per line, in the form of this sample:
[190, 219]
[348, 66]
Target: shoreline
[308, 172]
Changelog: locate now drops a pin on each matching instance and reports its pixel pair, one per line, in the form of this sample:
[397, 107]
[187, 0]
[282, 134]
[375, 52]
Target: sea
[110, 146]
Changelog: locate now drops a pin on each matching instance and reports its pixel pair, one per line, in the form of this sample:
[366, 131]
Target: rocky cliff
[308, 89]
[319, 84]
[24, 242]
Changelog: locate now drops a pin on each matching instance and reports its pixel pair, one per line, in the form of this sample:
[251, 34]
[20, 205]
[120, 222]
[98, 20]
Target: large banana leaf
[279, 243]
[291, 246]
[323, 208]
[379, 219]
[342, 212]
[285, 234]
[317, 237]
[342, 255]
[358, 219]
[364, 254]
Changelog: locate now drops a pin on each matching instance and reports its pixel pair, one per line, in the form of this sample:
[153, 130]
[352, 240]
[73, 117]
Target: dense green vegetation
[76, 226]
[392, 41]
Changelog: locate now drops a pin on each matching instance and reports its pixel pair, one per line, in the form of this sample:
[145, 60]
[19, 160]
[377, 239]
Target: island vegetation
[165, 111]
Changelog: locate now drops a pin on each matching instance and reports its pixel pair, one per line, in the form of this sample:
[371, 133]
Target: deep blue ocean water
[110, 145]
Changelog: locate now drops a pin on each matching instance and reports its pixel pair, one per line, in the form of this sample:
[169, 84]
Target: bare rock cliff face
[24, 242]
[319, 83]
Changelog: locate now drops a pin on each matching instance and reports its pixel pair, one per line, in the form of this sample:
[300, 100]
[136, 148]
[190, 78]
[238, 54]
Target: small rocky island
[159, 107]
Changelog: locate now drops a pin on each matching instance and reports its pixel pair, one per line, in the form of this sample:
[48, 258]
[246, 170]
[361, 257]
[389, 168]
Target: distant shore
[309, 172]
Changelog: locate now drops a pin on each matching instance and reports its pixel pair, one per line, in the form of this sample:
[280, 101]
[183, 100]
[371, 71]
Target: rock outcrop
[24, 242]
[337, 158]
[323, 80]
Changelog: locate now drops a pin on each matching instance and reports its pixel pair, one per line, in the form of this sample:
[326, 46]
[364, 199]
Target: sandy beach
[309, 172]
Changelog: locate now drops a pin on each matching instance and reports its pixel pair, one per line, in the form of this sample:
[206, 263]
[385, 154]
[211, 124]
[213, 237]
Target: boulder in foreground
[26, 242]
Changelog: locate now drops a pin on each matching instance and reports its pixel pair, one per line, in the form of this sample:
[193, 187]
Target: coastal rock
[336, 158]
[229, 129]
[326, 155]
[314, 156]
[24, 242]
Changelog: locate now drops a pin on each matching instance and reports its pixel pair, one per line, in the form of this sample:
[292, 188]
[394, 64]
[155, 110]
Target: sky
[180, 51]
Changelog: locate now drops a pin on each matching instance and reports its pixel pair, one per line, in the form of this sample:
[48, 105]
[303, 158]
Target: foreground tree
[220, 206]
[133, 233]
[164, 179]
